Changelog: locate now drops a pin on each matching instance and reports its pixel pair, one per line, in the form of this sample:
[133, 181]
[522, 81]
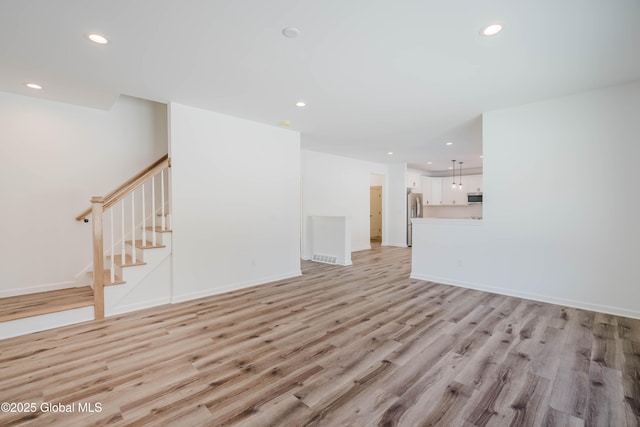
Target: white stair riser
[14, 328]
[159, 241]
[126, 297]
[136, 272]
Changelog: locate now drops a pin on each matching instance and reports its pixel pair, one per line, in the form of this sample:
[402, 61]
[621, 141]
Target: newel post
[97, 208]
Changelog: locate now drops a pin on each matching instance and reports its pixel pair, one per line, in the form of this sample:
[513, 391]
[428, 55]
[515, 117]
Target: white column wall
[561, 206]
[236, 202]
[55, 156]
[397, 216]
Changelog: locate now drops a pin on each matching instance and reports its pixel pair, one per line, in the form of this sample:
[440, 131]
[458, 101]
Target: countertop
[446, 221]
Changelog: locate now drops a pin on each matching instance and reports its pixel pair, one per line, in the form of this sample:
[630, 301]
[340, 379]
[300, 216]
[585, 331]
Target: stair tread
[107, 278]
[28, 305]
[128, 261]
[148, 245]
[159, 229]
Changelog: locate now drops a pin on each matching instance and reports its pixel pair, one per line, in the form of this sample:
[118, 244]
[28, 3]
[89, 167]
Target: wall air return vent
[327, 259]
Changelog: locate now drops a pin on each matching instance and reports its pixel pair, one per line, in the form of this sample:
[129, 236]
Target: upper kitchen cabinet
[431, 191]
[454, 196]
[426, 190]
[414, 182]
[457, 196]
[475, 184]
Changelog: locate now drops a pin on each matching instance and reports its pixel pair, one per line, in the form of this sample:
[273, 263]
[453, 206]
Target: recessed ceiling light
[390, 153]
[481, 156]
[97, 38]
[290, 32]
[429, 163]
[491, 30]
[450, 167]
[33, 86]
[300, 104]
[285, 123]
[449, 143]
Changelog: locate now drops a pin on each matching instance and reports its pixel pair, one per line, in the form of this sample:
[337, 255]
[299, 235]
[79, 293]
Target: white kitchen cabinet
[447, 192]
[414, 181]
[461, 196]
[438, 191]
[475, 184]
[470, 184]
[426, 190]
[451, 196]
[431, 191]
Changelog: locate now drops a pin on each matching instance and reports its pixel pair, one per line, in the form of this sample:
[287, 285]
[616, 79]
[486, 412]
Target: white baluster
[164, 225]
[123, 249]
[133, 225]
[144, 220]
[153, 210]
[113, 256]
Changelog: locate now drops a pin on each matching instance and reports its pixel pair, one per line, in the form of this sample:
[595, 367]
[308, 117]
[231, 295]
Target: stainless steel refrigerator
[414, 210]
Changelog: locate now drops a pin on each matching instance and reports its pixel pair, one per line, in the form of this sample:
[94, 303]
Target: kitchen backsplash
[454, 212]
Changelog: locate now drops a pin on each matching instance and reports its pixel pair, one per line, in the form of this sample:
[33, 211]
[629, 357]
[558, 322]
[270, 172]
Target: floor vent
[327, 259]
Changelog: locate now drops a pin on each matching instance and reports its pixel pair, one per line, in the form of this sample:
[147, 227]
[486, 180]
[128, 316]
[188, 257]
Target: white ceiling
[377, 75]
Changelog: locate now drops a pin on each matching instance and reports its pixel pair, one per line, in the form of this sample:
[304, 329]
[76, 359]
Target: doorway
[375, 214]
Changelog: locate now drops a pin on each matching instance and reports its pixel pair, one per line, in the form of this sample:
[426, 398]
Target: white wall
[339, 186]
[56, 156]
[236, 202]
[397, 212]
[561, 212]
[376, 180]
[330, 236]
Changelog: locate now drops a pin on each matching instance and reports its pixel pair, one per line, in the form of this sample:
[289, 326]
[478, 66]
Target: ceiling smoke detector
[290, 32]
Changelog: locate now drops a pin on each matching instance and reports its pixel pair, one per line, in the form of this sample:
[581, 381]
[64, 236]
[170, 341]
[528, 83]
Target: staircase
[135, 285]
[131, 228]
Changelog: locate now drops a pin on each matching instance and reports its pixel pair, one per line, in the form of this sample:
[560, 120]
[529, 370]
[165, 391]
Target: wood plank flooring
[22, 306]
[340, 346]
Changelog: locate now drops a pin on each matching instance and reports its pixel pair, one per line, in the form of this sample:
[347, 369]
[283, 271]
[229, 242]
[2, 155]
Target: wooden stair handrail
[131, 184]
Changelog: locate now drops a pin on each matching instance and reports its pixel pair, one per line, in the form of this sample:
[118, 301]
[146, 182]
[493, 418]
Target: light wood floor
[22, 306]
[360, 346]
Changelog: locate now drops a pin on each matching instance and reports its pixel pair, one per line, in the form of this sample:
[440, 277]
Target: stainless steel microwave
[474, 198]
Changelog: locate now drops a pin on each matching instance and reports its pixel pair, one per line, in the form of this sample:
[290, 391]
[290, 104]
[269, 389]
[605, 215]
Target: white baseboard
[616, 311]
[344, 263]
[233, 287]
[138, 306]
[398, 245]
[28, 325]
[4, 293]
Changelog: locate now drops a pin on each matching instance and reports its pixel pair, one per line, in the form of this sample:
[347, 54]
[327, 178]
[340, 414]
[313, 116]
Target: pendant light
[453, 174]
[460, 183]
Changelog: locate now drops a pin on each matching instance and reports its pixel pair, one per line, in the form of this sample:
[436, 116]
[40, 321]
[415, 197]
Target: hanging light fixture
[453, 174]
[460, 183]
